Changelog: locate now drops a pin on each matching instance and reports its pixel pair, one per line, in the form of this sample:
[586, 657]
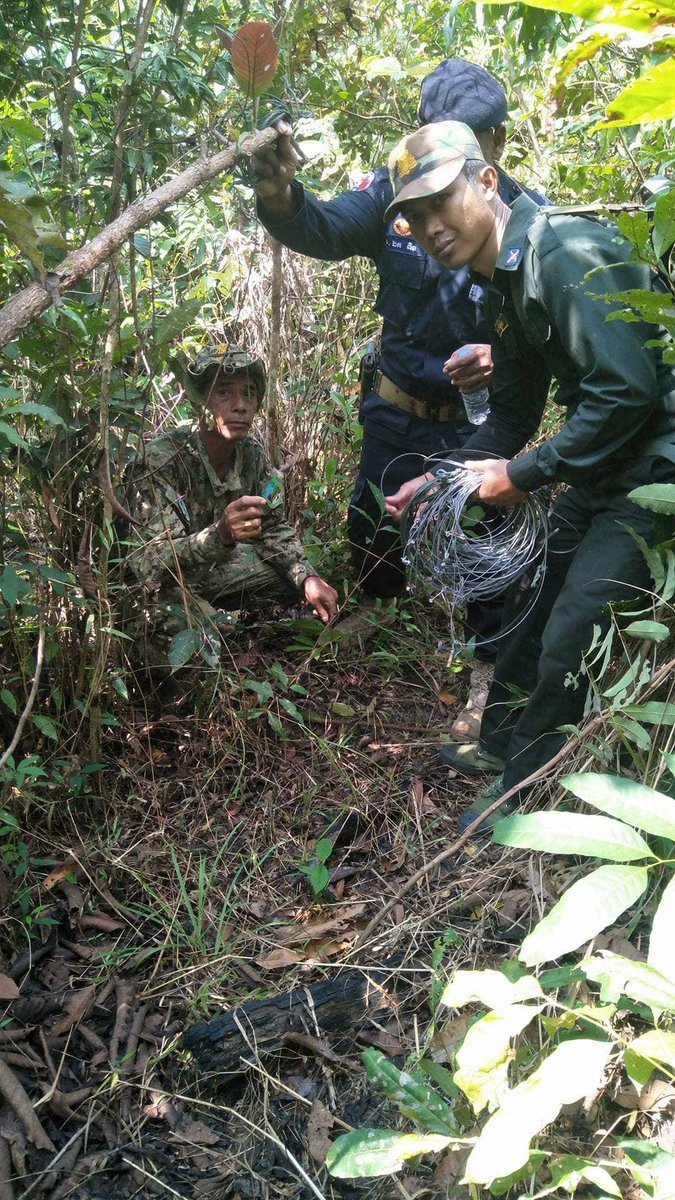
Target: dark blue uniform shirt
[428, 311]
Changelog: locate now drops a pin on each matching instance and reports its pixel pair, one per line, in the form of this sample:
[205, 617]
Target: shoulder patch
[364, 183]
[513, 257]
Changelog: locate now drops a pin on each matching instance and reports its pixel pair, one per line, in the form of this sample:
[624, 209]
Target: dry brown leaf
[450, 1168]
[70, 867]
[320, 1123]
[273, 960]
[198, 1133]
[387, 1042]
[449, 699]
[447, 1038]
[76, 1006]
[290, 934]
[8, 988]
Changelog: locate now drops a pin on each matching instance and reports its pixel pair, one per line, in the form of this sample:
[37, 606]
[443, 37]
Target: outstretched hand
[322, 597]
[274, 170]
[470, 367]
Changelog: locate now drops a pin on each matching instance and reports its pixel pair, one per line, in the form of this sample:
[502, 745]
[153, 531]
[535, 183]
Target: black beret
[460, 91]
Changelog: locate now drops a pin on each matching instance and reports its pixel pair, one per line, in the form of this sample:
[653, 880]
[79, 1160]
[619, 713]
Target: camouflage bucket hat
[429, 160]
[231, 360]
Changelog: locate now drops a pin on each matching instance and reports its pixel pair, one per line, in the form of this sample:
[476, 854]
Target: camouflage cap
[429, 160]
[231, 360]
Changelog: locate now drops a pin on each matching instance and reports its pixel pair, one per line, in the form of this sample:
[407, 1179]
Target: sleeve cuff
[525, 474]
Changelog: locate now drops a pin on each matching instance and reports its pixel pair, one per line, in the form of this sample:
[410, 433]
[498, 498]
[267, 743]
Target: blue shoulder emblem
[513, 257]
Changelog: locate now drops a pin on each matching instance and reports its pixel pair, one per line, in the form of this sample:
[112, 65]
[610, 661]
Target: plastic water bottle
[476, 404]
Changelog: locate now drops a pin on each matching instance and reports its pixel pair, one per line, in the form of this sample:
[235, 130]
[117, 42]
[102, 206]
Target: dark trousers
[394, 449]
[592, 562]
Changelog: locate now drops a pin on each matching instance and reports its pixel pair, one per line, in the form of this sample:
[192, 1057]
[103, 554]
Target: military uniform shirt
[178, 499]
[428, 310]
[549, 320]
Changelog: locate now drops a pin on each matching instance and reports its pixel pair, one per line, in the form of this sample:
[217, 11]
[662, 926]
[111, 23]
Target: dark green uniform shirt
[547, 321]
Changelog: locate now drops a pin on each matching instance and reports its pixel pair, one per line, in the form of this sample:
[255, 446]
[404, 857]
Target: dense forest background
[159, 862]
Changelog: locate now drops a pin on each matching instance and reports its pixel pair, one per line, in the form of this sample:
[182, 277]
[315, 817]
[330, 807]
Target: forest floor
[176, 894]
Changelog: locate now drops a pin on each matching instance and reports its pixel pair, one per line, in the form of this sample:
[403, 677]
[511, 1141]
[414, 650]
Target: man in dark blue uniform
[429, 313]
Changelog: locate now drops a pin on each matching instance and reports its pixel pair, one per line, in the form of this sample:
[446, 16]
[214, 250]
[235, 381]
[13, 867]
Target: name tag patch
[403, 245]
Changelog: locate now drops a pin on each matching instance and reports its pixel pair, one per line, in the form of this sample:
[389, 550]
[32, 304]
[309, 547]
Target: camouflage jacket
[177, 500]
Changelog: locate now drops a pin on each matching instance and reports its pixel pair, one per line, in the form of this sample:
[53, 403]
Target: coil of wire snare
[456, 556]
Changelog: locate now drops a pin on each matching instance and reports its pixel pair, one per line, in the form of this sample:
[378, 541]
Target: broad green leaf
[645, 1158]
[503, 1183]
[653, 631]
[46, 726]
[572, 833]
[12, 436]
[142, 245]
[619, 976]
[624, 798]
[660, 942]
[588, 907]
[12, 586]
[657, 1045]
[622, 14]
[182, 646]
[490, 988]
[632, 731]
[570, 1170]
[8, 699]
[409, 1090]
[652, 712]
[176, 321]
[572, 1071]
[663, 231]
[657, 497]
[367, 1153]
[18, 222]
[323, 849]
[485, 1054]
[30, 408]
[670, 760]
[650, 97]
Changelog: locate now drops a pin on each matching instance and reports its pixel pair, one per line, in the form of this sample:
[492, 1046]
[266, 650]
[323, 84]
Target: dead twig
[39, 657]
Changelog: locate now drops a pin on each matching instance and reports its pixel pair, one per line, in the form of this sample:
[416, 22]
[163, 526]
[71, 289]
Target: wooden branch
[33, 300]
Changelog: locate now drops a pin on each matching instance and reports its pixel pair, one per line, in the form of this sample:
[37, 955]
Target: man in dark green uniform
[548, 320]
[210, 532]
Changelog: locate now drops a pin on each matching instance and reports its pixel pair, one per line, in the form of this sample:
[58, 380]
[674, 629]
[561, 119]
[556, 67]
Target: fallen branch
[36, 298]
[19, 1100]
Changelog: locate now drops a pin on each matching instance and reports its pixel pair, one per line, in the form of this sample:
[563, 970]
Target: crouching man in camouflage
[210, 530]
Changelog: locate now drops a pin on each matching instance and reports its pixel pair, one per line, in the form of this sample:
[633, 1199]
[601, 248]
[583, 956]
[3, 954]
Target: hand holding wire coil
[454, 552]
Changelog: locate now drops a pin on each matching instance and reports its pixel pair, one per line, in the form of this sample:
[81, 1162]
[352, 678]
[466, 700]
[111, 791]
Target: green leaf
[292, 710]
[653, 631]
[624, 798]
[12, 586]
[318, 875]
[323, 849]
[670, 761]
[47, 727]
[12, 436]
[18, 222]
[660, 944]
[176, 321]
[619, 976]
[569, 1171]
[142, 245]
[653, 712]
[8, 699]
[657, 1045]
[650, 97]
[657, 497]
[30, 408]
[588, 907]
[367, 1153]
[632, 731]
[623, 14]
[490, 988]
[568, 1074]
[485, 1054]
[410, 1092]
[503, 1183]
[182, 646]
[572, 833]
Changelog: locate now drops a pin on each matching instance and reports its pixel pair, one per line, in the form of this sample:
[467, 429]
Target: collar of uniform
[232, 480]
[523, 212]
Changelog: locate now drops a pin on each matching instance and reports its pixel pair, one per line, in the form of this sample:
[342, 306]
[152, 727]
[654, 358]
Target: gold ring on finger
[247, 524]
